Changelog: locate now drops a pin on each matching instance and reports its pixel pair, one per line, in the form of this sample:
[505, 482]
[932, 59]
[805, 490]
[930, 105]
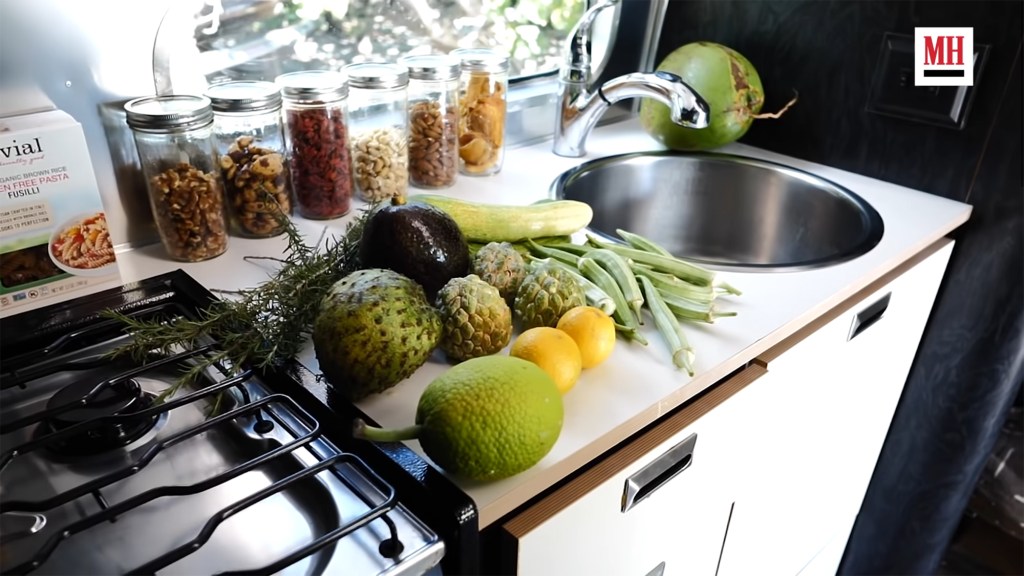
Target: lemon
[554, 351]
[592, 330]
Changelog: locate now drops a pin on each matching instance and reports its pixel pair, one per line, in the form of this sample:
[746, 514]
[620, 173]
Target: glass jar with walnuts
[174, 138]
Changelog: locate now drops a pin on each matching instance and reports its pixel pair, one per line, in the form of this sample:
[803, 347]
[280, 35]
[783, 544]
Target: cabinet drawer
[834, 388]
[658, 504]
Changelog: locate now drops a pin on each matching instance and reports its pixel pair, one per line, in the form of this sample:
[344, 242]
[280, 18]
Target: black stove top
[95, 449]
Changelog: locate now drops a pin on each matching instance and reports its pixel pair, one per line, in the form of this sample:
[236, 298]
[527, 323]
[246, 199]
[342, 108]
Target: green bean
[640, 243]
[674, 266]
[623, 315]
[668, 326]
[619, 269]
[595, 296]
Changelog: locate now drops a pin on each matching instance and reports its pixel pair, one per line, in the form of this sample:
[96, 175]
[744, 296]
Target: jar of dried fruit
[482, 100]
[433, 120]
[250, 140]
[174, 138]
[316, 136]
[378, 122]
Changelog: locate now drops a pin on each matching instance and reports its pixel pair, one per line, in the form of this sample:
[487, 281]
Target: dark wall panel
[971, 360]
[828, 51]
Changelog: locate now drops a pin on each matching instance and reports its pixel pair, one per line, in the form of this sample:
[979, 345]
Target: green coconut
[726, 80]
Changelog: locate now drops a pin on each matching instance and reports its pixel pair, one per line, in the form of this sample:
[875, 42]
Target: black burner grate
[77, 420]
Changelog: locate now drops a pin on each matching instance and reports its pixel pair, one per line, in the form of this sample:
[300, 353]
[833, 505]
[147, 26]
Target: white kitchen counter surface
[637, 384]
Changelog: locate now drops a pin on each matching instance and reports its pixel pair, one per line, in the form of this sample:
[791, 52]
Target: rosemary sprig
[262, 326]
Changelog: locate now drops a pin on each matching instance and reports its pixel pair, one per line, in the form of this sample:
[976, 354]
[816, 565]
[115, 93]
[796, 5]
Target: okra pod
[690, 310]
[623, 315]
[553, 253]
[668, 326]
[640, 243]
[619, 269]
[667, 283]
[674, 266]
[577, 249]
[595, 296]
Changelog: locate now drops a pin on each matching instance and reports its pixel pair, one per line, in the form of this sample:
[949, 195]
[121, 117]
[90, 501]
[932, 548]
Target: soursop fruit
[375, 328]
[545, 294]
[475, 320]
[502, 266]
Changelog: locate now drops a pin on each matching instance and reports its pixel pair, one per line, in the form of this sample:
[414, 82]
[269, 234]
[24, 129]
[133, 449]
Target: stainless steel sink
[725, 211]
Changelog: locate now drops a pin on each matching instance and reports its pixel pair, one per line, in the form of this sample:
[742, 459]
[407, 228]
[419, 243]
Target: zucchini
[481, 222]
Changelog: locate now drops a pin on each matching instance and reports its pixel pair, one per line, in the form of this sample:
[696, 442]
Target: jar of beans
[317, 142]
[378, 121]
[482, 105]
[250, 140]
[433, 120]
[174, 138]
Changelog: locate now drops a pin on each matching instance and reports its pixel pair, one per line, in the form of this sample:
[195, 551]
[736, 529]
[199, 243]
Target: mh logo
[944, 56]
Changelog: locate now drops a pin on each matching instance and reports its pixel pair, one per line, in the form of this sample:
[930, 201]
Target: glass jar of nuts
[250, 141]
[378, 122]
[317, 139]
[433, 120]
[482, 101]
[174, 138]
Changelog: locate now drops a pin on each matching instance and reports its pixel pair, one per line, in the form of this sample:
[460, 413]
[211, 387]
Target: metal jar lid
[481, 60]
[431, 66]
[313, 86]
[376, 75]
[244, 96]
[165, 113]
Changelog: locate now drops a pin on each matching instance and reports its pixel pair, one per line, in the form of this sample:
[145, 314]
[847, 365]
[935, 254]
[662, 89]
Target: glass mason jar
[174, 137]
[433, 120]
[378, 122]
[483, 88]
[317, 142]
[250, 141]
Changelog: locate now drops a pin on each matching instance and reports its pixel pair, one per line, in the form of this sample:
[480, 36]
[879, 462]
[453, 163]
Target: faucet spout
[579, 109]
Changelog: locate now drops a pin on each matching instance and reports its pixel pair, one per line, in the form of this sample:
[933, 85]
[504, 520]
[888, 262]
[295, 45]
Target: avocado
[416, 240]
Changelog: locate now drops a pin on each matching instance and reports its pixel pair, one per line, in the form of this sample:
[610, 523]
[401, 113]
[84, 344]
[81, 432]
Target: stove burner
[121, 398]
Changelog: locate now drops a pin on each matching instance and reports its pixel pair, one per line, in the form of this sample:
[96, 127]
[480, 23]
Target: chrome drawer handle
[653, 476]
[868, 316]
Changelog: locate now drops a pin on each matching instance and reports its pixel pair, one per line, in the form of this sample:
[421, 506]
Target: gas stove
[110, 465]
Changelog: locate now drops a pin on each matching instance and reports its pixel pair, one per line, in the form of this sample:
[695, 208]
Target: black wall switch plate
[893, 92]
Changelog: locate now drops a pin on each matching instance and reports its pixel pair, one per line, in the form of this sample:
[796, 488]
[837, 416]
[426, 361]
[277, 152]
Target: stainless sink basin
[725, 211]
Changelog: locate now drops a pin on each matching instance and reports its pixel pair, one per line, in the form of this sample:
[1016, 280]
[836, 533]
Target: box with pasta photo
[54, 240]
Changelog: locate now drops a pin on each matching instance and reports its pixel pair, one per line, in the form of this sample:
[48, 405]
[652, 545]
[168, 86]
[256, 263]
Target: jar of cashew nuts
[482, 105]
[433, 120]
[378, 122]
[250, 141]
[174, 138]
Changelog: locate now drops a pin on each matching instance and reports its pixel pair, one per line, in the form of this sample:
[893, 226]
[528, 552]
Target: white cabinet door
[657, 505]
[829, 398]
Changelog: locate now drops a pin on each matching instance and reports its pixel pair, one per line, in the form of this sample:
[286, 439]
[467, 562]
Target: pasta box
[54, 240]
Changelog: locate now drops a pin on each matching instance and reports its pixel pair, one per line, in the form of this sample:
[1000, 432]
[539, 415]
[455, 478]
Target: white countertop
[637, 384]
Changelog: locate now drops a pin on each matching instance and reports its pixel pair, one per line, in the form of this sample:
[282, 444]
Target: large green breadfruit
[725, 79]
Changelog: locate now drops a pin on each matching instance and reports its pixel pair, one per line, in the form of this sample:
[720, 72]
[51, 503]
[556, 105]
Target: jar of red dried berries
[315, 109]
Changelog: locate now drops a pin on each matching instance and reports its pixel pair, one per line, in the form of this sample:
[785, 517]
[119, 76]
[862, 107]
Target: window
[208, 41]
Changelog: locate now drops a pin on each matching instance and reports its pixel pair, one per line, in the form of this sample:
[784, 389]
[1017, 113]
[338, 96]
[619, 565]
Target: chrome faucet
[580, 107]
